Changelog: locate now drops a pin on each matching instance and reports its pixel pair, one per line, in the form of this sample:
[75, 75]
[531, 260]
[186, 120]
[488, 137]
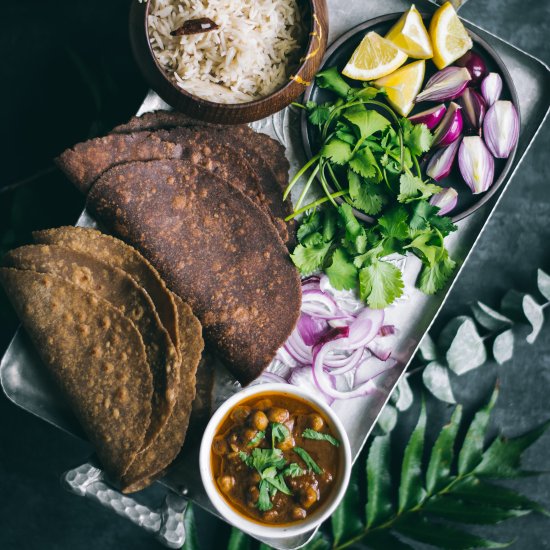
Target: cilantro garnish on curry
[275, 459]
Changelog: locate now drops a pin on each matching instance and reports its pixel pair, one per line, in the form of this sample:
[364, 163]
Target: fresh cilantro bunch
[371, 158]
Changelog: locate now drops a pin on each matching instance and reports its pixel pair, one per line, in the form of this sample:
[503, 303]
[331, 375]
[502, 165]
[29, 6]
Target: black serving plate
[338, 55]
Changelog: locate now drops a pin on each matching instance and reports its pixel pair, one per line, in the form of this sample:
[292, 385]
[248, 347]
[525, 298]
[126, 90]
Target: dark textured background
[67, 73]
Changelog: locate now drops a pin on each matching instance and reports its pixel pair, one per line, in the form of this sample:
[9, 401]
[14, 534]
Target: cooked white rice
[249, 56]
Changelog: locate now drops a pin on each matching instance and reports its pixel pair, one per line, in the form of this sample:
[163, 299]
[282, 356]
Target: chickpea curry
[274, 458]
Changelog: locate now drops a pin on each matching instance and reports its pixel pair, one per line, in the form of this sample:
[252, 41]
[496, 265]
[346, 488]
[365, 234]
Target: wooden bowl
[223, 113]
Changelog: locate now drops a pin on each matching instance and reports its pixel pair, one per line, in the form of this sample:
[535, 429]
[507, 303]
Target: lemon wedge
[373, 58]
[450, 39]
[410, 35]
[403, 86]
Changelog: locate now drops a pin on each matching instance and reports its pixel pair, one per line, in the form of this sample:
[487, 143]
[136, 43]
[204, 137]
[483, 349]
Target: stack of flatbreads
[122, 347]
[203, 203]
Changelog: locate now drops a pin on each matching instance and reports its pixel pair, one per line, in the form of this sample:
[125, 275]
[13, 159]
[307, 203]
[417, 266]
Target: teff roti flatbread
[95, 355]
[214, 247]
[151, 463]
[86, 161]
[121, 291]
[118, 254]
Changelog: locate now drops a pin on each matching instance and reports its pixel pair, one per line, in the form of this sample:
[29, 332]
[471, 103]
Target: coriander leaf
[331, 79]
[269, 472]
[310, 463]
[380, 283]
[318, 114]
[329, 224]
[293, 470]
[264, 502]
[279, 483]
[311, 223]
[444, 224]
[367, 121]
[247, 459]
[417, 137]
[341, 272]
[312, 240]
[261, 459]
[410, 187]
[279, 432]
[346, 136]
[393, 224]
[353, 227]
[313, 434]
[368, 92]
[433, 278]
[364, 164]
[364, 195]
[256, 439]
[429, 251]
[336, 150]
[422, 212]
[309, 259]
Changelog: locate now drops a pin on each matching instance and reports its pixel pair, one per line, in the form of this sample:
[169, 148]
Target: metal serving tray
[26, 384]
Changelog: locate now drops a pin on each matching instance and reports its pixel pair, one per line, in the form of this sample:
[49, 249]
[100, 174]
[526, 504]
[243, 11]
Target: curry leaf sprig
[370, 158]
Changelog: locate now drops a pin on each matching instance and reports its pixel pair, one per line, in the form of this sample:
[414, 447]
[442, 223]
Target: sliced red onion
[473, 107]
[322, 379]
[372, 367]
[441, 162]
[491, 88]
[475, 64]
[339, 366]
[333, 334]
[379, 350]
[446, 200]
[303, 377]
[450, 127]
[501, 128]
[365, 327]
[387, 330]
[431, 117]
[444, 85]
[297, 349]
[311, 329]
[476, 164]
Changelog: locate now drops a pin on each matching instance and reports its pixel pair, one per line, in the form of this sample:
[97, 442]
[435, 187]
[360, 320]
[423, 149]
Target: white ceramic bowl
[253, 527]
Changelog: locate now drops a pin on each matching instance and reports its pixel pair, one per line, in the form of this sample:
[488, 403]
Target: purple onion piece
[473, 108]
[446, 200]
[476, 164]
[475, 64]
[501, 128]
[491, 88]
[450, 127]
[446, 84]
[431, 117]
[441, 162]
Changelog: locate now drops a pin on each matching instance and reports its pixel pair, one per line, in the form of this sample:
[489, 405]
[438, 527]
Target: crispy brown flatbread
[121, 291]
[86, 161]
[265, 154]
[188, 223]
[95, 355]
[151, 463]
[118, 254]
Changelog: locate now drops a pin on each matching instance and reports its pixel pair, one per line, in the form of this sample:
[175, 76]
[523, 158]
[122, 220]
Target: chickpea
[298, 513]
[276, 414]
[240, 414]
[271, 515]
[316, 422]
[219, 445]
[263, 405]
[226, 483]
[258, 420]
[253, 495]
[309, 497]
[255, 477]
[249, 434]
[287, 444]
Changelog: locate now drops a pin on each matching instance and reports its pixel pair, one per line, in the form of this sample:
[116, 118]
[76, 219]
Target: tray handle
[166, 523]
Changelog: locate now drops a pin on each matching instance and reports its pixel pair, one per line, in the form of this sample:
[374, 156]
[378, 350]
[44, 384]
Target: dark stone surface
[47, 105]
